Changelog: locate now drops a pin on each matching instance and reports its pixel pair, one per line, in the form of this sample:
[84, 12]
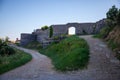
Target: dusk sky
[23, 16]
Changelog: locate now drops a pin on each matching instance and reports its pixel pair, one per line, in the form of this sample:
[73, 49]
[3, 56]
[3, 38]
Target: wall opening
[71, 31]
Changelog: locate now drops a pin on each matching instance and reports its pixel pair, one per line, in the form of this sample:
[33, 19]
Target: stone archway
[71, 31]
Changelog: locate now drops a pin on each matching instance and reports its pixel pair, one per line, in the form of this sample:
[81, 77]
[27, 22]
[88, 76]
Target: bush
[5, 49]
[103, 32]
[44, 28]
[112, 44]
[70, 54]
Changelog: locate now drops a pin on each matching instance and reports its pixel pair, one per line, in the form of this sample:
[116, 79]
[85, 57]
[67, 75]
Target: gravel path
[102, 66]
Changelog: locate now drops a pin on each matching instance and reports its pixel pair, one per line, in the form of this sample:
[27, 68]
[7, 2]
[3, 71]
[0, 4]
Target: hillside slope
[114, 40]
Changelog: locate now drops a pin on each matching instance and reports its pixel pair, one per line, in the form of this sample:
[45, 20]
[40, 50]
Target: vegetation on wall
[44, 27]
[51, 32]
[71, 53]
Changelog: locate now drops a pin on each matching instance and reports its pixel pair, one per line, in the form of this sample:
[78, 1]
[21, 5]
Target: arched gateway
[70, 28]
[74, 28]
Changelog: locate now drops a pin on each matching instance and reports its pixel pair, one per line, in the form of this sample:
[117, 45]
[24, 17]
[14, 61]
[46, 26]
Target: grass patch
[10, 62]
[97, 36]
[112, 44]
[103, 32]
[71, 53]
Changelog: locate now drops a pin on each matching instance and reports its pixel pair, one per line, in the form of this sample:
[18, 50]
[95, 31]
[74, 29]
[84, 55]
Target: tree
[51, 32]
[44, 27]
[118, 18]
[112, 16]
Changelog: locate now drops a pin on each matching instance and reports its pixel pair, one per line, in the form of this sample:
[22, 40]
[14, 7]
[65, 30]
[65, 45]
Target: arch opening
[71, 31]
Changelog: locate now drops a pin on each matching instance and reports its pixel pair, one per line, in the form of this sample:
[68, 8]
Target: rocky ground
[102, 66]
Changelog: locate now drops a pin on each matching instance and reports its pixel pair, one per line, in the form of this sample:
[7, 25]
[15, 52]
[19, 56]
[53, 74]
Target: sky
[23, 16]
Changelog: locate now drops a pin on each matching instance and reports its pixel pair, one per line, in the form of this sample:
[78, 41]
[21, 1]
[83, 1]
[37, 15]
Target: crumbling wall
[27, 38]
[99, 25]
[41, 35]
[81, 29]
[59, 29]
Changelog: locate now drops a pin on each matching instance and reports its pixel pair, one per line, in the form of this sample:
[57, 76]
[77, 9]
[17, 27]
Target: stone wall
[99, 25]
[81, 29]
[27, 38]
[41, 35]
[59, 29]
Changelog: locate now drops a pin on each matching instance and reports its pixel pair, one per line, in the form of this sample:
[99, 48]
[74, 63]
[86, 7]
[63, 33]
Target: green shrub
[5, 49]
[70, 54]
[44, 28]
[51, 32]
[103, 32]
[112, 44]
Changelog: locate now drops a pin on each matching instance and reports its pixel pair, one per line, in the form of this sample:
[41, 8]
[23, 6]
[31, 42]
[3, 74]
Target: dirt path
[102, 66]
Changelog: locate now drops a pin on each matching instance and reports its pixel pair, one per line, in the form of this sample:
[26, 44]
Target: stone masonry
[80, 28]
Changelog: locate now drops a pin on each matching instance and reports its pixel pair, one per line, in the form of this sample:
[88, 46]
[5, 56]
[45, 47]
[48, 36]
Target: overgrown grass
[112, 44]
[103, 33]
[12, 61]
[70, 54]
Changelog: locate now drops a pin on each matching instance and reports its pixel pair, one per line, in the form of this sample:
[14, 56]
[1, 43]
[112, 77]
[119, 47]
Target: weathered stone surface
[59, 29]
[80, 28]
[42, 35]
[99, 25]
[27, 38]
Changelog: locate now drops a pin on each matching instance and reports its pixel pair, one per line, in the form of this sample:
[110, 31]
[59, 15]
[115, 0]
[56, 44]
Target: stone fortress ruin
[42, 36]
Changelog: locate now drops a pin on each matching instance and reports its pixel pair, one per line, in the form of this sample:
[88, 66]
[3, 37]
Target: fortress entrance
[71, 31]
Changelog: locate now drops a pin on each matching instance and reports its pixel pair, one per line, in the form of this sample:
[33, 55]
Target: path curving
[102, 66]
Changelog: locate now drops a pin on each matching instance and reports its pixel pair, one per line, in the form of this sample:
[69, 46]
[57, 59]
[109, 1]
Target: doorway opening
[71, 31]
